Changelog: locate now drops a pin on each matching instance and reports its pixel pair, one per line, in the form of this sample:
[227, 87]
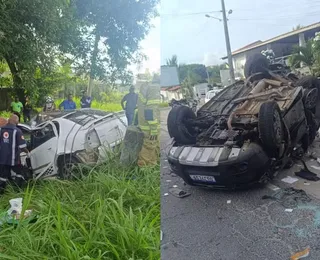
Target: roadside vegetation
[112, 213]
[66, 47]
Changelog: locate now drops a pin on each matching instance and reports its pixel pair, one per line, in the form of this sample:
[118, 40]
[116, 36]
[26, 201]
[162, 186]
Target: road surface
[205, 226]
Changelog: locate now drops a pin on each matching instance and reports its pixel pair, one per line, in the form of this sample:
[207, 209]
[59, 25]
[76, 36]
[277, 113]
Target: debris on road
[175, 186]
[168, 180]
[308, 175]
[272, 187]
[288, 210]
[307, 183]
[161, 235]
[289, 198]
[289, 180]
[301, 254]
[166, 194]
[179, 193]
[228, 201]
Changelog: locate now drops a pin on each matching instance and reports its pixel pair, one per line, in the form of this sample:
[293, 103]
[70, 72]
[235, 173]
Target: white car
[82, 136]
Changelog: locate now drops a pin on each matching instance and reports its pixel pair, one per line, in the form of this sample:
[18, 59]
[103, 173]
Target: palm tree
[303, 54]
[299, 26]
[173, 61]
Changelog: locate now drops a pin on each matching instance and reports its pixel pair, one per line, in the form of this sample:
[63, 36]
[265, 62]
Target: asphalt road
[204, 226]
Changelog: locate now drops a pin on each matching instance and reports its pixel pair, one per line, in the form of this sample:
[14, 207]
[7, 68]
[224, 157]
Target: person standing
[17, 107]
[129, 104]
[68, 104]
[85, 100]
[49, 106]
[27, 110]
[11, 144]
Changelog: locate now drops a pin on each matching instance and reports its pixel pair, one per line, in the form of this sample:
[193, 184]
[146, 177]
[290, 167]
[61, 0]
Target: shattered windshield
[85, 116]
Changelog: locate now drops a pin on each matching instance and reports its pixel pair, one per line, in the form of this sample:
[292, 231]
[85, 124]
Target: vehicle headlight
[172, 151]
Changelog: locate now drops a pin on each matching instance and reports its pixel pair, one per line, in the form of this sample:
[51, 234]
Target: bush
[113, 213]
[106, 106]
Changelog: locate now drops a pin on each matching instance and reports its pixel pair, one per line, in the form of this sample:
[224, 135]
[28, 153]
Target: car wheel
[68, 168]
[177, 127]
[256, 63]
[310, 98]
[271, 128]
[308, 82]
[313, 127]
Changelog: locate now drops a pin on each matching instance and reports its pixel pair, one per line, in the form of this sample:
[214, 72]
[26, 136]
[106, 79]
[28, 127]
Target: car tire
[256, 63]
[271, 128]
[176, 125]
[308, 82]
[66, 165]
[313, 127]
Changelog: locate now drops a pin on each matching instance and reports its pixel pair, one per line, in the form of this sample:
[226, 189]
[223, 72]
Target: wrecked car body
[68, 138]
[247, 132]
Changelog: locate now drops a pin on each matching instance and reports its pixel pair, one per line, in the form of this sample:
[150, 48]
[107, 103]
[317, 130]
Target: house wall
[201, 90]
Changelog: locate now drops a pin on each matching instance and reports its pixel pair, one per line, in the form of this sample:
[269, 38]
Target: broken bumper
[219, 167]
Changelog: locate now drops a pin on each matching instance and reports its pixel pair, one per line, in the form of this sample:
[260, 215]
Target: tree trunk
[17, 81]
[93, 63]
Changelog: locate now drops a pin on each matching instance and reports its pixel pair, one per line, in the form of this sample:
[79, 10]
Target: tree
[173, 62]
[198, 70]
[308, 55]
[33, 34]
[119, 26]
[299, 26]
[214, 74]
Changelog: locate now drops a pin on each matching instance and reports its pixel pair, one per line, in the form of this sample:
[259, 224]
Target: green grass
[164, 104]
[5, 114]
[111, 105]
[114, 213]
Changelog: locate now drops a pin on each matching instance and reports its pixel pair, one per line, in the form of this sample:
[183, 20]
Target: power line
[189, 14]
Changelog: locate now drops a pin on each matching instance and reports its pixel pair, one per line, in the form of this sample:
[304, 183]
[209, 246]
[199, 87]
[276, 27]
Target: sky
[197, 39]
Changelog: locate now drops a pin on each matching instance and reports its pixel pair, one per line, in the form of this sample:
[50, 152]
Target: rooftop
[259, 43]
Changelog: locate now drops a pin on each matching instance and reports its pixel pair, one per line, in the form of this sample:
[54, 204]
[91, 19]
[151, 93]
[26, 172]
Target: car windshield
[85, 116]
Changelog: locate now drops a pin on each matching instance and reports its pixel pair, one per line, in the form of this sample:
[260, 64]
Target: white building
[282, 46]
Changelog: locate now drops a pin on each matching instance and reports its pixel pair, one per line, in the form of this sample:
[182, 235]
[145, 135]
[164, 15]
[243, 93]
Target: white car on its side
[67, 138]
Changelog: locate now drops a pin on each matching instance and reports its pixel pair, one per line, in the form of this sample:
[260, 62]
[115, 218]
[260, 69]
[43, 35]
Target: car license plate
[203, 178]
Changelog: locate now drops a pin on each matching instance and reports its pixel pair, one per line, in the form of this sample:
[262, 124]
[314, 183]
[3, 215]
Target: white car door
[44, 141]
[110, 132]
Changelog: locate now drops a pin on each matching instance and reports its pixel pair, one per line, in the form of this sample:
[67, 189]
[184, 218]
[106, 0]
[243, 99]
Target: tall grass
[113, 213]
[111, 105]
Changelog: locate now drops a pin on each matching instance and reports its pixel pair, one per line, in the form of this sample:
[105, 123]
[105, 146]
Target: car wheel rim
[277, 127]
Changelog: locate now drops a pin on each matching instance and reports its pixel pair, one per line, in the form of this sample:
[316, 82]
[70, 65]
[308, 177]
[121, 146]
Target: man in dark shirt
[131, 100]
[27, 110]
[85, 100]
[11, 144]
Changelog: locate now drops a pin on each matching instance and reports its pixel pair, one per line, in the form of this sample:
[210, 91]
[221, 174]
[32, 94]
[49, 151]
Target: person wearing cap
[49, 106]
[85, 100]
[129, 104]
[11, 144]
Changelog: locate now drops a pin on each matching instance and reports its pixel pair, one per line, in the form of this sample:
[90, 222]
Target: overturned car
[69, 138]
[248, 131]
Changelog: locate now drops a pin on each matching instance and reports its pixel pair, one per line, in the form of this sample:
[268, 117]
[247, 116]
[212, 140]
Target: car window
[42, 135]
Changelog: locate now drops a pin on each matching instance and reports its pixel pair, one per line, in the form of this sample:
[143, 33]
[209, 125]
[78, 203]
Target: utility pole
[226, 33]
